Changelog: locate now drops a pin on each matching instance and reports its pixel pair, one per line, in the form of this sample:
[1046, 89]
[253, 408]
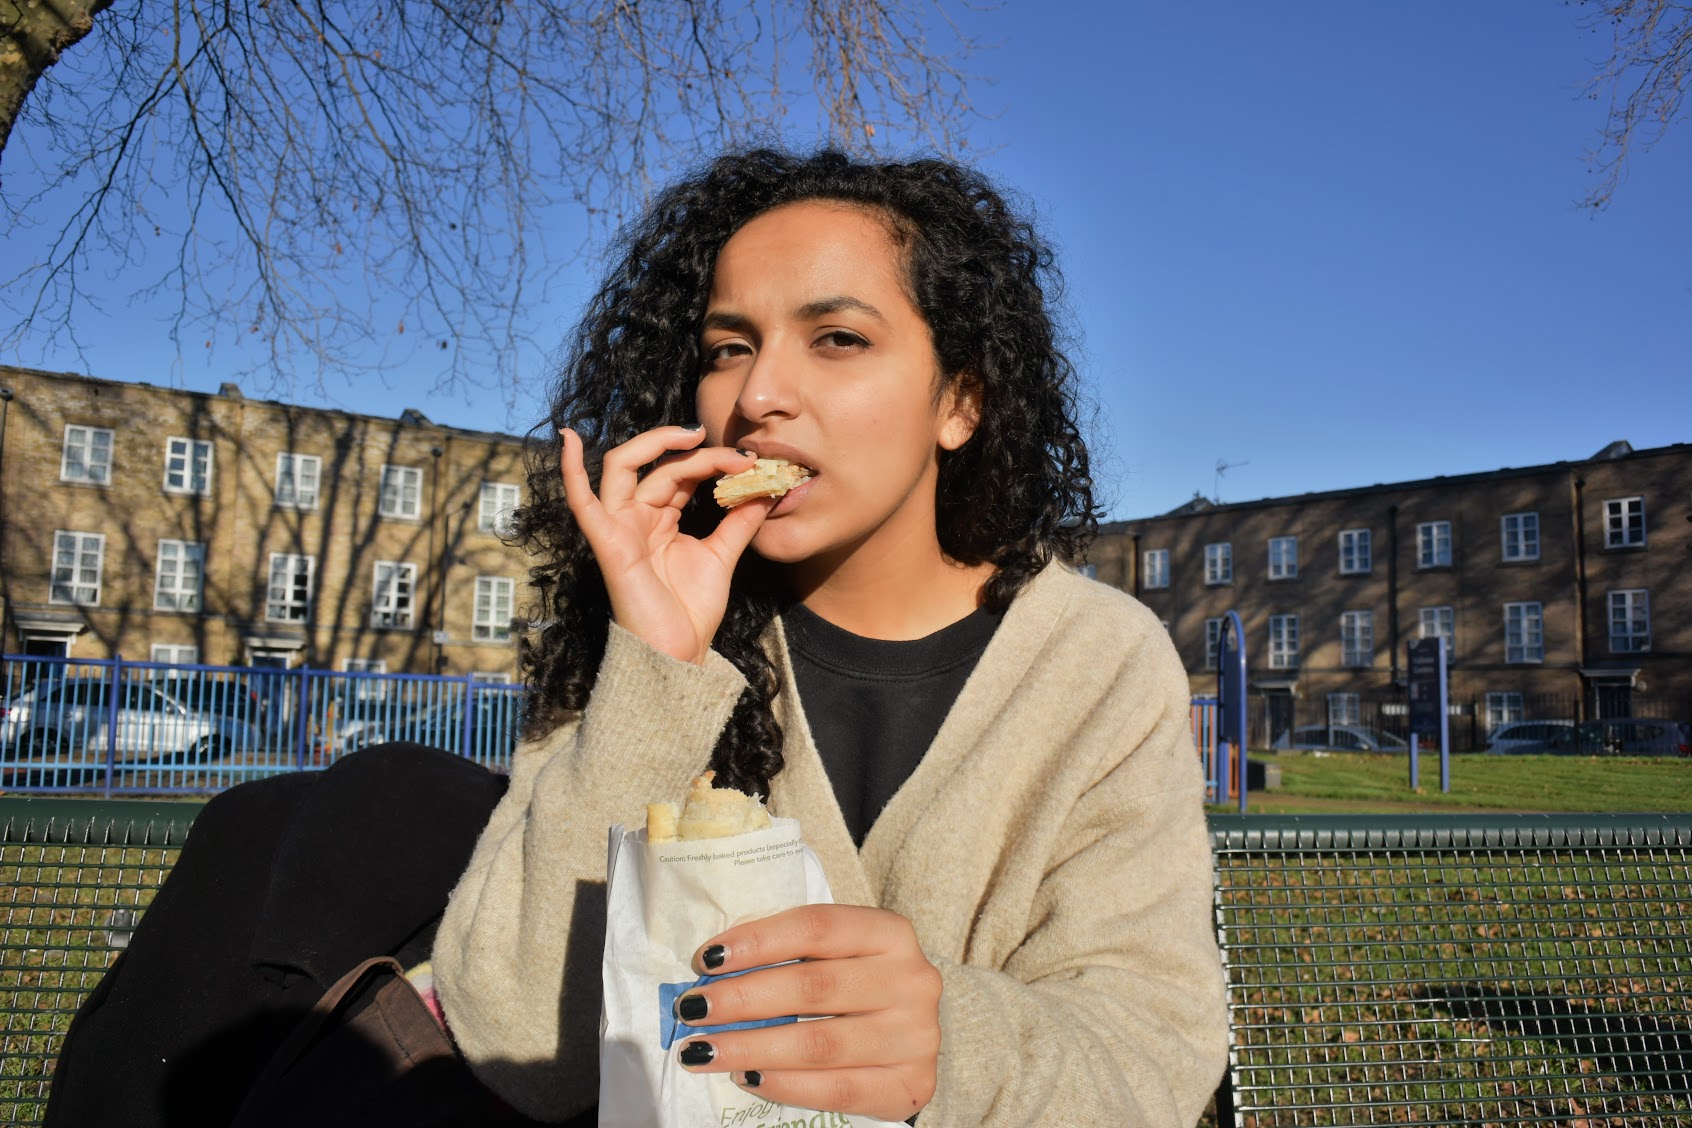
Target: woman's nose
[769, 388]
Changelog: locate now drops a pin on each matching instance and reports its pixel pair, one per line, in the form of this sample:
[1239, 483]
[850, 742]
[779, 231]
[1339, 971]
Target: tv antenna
[1221, 469]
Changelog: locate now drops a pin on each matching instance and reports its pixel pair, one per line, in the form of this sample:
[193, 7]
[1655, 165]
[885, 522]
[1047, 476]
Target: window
[499, 506]
[402, 492]
[1502, 709]
[493, 609]
[1433, 544]
[1354, 552]
[487, 677]
[1438, 622]
[77, 561]
[297, 476]
[1344, 709]
[1212, 643]
[176, 655]
[1630, 621]
[1357, 638]
[391, 601]
[288, 599]
[1156, 568]
[188, 466]
[1524, 632]
[87, 456]
[1521, 536]
[1283, 642]
[179, 577]
[1283, 558]
[1624, 522]
[1219, 563]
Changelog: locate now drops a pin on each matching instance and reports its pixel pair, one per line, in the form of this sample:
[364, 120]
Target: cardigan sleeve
[517, 956]
[1112, 1009]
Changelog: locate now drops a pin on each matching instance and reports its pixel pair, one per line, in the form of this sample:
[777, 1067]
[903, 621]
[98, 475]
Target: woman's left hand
[877, 1056]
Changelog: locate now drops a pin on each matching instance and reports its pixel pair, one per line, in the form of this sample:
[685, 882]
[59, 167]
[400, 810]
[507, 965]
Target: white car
[1340, 738]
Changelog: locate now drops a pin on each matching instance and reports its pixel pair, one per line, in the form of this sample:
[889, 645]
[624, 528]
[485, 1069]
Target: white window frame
[1502, 709]
[499, 502]
[189, 456]
[173, 654]
[1519, 536]
[1356, 557]
[175, 595]
[293, 607]
[1524, 633]
[1155, 568]
[1283, 558]
[81, 438]
[1433, 544]
[1620, 528]
[1219, 563]
[488, 626]
[289, 467]
[1344, 709]
[1438, 622]
[392, 490]
[1283, 642]
[1212, 643]
[366, 688]
[68, 578]
[489, 677]
[1630, 620]
[1357, 639]
[388, 579]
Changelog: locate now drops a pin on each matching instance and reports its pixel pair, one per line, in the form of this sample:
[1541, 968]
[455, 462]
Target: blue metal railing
[115, 727]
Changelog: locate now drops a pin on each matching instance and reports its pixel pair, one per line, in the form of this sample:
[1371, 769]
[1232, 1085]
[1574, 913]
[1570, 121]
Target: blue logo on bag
[671, 1028]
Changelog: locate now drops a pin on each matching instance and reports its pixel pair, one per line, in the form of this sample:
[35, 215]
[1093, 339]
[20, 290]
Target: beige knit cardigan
[1050, 850]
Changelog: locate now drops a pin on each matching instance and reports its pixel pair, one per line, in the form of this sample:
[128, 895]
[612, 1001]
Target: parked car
[493, 732]
[1533, 738]
[69, 722]
[1340, 738]
[1632, 736]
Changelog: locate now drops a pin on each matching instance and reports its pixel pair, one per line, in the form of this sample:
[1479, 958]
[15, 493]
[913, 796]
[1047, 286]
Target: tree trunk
[33, 34]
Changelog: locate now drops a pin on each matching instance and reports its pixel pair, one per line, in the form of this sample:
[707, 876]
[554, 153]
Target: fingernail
[693, 426]
[751, 1079]
[698, 1053]
[747, 453]
[714, 956]
[691, 1008]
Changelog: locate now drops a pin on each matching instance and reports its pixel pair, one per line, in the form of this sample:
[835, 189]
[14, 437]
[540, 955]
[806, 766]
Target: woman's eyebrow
[822, 307]
[728, 320]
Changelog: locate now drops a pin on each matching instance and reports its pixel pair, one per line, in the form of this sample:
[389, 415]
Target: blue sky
[1331, 243]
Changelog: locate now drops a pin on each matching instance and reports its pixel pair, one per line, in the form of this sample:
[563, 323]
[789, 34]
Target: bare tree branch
[1644, 81]
[338, 180]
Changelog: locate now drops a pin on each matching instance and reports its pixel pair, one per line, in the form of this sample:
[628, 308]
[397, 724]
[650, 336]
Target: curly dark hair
[1018, 492]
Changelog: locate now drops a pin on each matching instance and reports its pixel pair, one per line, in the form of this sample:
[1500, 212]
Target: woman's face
[814, 353]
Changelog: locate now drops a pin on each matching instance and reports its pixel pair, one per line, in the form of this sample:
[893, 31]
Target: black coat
[283, 885]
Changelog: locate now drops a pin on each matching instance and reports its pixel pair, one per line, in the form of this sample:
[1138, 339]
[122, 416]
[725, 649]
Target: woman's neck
[891, 594]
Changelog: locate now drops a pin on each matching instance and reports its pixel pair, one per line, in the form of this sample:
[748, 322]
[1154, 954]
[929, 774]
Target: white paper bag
[663, 900]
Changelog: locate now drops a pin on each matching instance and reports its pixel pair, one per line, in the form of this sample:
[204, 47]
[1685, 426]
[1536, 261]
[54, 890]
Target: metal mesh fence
[1527, 970]
[74, 878]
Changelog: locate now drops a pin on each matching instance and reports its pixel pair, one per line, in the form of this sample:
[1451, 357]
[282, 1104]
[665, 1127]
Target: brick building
[161, 524]
[1561, 589]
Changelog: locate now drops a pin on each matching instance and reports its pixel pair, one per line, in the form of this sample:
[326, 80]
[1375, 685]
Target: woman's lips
[794, 497]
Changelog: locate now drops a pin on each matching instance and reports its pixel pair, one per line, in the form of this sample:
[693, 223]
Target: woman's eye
[842, 339]
[716, 354]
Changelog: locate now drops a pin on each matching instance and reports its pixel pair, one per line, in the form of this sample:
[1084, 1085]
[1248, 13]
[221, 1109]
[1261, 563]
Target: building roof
[1619, 450]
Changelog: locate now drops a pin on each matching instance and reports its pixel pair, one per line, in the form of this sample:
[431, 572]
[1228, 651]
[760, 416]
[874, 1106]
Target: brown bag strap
[320, 1016]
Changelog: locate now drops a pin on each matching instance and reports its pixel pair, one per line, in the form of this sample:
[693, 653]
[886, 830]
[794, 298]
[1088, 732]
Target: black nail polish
[747, 453]
[714, 956]
[691, 1008]
[698, 1053]
[693, 426]
[753, 1079]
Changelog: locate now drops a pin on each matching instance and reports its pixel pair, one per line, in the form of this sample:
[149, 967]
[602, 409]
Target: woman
[989, 754]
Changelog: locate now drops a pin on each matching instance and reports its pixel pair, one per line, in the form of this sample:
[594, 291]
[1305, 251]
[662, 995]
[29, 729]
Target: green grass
[1357, 782]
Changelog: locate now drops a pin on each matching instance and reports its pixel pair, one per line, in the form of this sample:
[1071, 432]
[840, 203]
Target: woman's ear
[960, 411]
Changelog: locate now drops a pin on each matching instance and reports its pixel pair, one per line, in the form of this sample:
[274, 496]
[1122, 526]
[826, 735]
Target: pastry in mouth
[768, 477]
[710, 812]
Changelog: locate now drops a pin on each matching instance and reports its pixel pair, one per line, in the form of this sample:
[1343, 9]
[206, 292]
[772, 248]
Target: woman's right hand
[666, 587]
